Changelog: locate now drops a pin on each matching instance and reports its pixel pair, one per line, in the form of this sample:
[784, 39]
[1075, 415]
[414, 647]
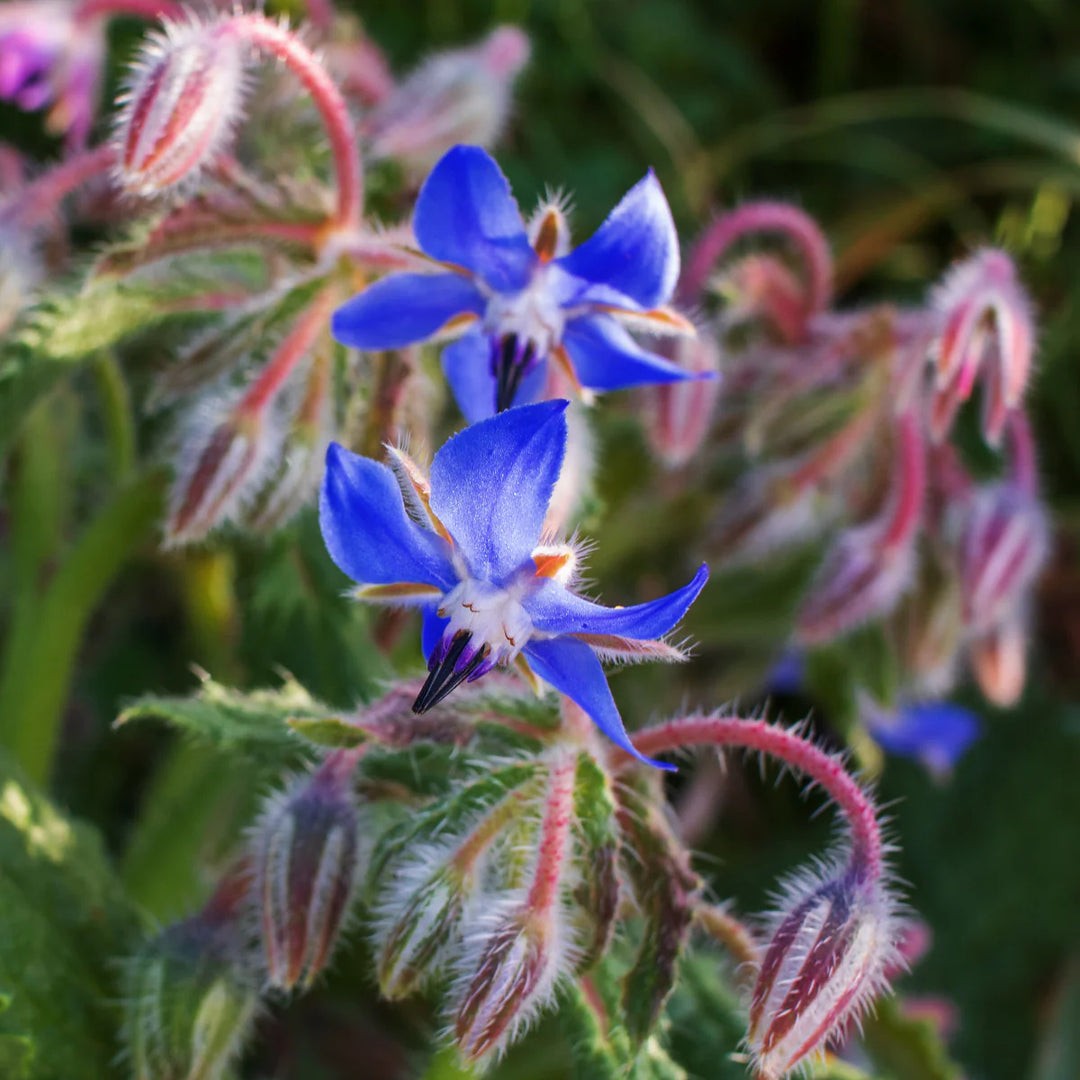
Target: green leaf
[906, 1048]
[666, 889]
[39, 660]
[596, 847]
[65, 920]
[332, 732]
[259, 724]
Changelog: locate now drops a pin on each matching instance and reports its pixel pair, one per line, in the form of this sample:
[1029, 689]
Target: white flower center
[493, 616]
[532, 315]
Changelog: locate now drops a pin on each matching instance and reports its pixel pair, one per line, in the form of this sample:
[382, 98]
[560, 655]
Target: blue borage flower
[937, 734]
[518, 294]
[467, 549]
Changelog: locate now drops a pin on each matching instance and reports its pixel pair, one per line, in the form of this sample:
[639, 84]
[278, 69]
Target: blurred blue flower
[466, 549]
[935, 733]
[524, 304]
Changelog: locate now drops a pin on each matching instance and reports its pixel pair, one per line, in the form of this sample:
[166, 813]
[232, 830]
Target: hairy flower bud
[184, 97]
[461, 96]
[832, 941]
[190, 1001]
[858, 581]
[677, 415]
[222, 465]
[988, 330]
[998, 660]
[1003, 545]
[305, 862]
[514, 976]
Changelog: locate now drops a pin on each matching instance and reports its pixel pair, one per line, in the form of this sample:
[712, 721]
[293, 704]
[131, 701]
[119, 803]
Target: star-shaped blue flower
[525, 304]
[466, 548]
[937, 734]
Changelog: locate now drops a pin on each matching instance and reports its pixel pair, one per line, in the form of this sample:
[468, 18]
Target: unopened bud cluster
[844, 421]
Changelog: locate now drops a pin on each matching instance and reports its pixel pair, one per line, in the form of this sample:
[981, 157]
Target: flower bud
[762, 287]
[677, 415]
[305, 864]
[988, 329]
[182, 102]
[303, 454]
[1003, 545]
[511, 979]
[859, 580]
[998, 661]
[831, 944]
[189, 1001]
[221, 466]
[461, 96]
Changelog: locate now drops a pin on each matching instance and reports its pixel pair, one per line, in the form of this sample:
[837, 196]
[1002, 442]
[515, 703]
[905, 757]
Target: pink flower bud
[222, 465]
[871, 566]
[183, 99]
[989, 330]
[858, 581]
[998, 661]
[832, 941]
[305, 865]
[762, 287]
[677, 415]
[513, 978]
[461, 96]
[1003, 545]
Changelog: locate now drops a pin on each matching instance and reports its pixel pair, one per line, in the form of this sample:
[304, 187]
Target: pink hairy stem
[554, 836]
[34, 203]
[755, 217]
[142, 9]
[289, 353]
[910, 490]
[1023, 466]
[269, 37]
[786, 746]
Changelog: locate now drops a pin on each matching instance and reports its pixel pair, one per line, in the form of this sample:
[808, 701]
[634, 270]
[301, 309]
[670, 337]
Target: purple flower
[466, 549]
[520, 296]
[48, 56]
[935, 733]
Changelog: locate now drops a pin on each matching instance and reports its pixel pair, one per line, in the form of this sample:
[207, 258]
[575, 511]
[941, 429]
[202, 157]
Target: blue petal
[404, 308]
[937, 733]
[466, 215]
[466, 363]
[433, 629]
[467, 366]
[555, 610]
[788, 674]
[367, 531]
[491, 485]
[606, 357]
[636, 250]
[572, 668]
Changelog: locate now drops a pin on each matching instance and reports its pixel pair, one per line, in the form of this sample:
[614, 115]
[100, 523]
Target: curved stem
[801, 754]
[790, 221]
[910, 488]
[268, 36]
[143, 9]
[296, 345]
[732, 933]
[1023, 466]
[35, 202]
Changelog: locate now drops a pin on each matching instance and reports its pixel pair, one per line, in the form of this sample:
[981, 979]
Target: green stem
[34, 684]
[119, 418]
